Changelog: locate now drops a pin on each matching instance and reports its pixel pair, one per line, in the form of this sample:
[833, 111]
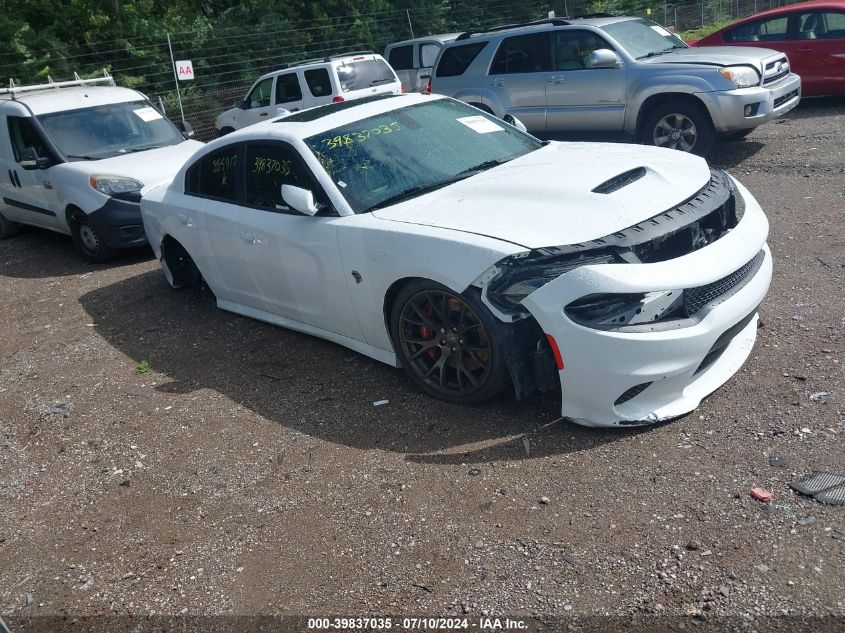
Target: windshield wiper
[663, 52]
[488, 164]
[380, 81]
[88, 156]
[143, 148]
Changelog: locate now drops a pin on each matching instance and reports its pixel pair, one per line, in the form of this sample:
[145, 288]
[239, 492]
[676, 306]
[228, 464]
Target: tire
[448, 343]
[7, 228]
[224, 131]
[88, 240]
[737, 136]
[682, 124]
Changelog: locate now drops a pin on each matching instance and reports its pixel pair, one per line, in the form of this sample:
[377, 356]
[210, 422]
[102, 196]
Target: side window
[22, 134]
[318, 82]
[428, 55]
[819, 25]
[215, 175]
[572, 49]
[456, 59]
[259, 97]
[288, 89]
[760, 31]
[268, 167]
[402, 57]
[523, 54]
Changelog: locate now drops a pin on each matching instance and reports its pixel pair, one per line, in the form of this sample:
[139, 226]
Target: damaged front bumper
[641, 374]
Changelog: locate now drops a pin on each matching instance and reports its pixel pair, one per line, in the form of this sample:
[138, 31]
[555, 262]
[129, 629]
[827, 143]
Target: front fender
[663, 85]
[383, 252]
[227, 119]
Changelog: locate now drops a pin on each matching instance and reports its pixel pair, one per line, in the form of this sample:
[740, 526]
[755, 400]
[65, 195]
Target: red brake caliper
[426, 332]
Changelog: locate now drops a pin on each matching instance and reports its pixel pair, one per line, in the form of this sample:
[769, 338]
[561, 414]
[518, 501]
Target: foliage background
[233, 42]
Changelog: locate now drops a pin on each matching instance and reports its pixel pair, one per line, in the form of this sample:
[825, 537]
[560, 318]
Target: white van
[311, 83]
[74, 157]
[413, 59]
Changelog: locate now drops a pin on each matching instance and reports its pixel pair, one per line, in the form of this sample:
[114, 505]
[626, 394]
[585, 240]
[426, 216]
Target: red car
[812, 34]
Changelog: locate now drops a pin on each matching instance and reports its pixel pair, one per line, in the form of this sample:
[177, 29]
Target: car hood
[714, 56]
[545, 198]
[152, 167]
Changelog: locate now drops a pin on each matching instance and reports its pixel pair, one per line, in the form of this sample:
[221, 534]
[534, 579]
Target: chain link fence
[227, 60]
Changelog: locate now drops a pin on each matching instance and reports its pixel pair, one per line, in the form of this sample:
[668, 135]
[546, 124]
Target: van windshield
[364, 74]
[109, 130]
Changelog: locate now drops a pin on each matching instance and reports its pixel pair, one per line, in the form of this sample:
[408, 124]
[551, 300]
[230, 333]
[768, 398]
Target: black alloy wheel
[447, 344]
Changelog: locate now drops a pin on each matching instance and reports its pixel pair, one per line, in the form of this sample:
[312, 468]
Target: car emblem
[779, 67]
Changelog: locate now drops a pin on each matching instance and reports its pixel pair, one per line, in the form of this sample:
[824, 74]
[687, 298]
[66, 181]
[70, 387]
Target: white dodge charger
[429, 235]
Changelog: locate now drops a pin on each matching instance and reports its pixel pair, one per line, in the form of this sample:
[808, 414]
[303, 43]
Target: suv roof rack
[587, 16]
[13, 90]
[505, 27]
[328, 58]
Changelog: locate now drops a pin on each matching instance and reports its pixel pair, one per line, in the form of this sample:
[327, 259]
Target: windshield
[109, 130]
[364, 74]
[400, 154]
[642, 38]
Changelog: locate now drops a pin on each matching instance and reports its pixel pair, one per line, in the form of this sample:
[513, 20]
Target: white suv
[74, 157]
[311, 83]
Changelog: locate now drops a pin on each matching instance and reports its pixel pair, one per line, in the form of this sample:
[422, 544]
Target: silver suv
[617, 74]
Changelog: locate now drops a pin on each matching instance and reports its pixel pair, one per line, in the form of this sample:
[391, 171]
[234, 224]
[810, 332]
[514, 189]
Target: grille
[631, 393]
[784, 98]
[696, 298]
[771, 74]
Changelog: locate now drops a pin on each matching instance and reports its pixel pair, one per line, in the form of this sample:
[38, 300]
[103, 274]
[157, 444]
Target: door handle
[497, 82]
[804, 50]
[248, 237]
[263, 114]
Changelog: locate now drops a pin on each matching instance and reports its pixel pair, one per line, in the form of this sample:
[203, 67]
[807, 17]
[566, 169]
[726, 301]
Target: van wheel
[7, 228]
[88, 240]
[483, 108]
[679, 125]
[226, 130]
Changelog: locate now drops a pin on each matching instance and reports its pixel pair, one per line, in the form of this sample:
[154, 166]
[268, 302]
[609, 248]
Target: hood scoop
[620, 180]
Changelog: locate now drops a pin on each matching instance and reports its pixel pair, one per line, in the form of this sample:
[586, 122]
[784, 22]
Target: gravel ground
[248, 471]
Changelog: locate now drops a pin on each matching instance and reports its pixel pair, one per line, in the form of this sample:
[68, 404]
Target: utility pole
[410, 26]
[176, 79]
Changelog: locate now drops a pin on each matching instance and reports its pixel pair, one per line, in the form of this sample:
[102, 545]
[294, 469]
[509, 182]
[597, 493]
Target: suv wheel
[226, 130]
[679, 125]
[88, 241]
[7, 227]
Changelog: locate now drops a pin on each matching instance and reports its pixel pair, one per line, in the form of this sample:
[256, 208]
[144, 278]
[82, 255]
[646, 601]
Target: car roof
[553, 23]
[312, 121]
[789, 8]
[439, 37]
[62, 99]
[323, 61]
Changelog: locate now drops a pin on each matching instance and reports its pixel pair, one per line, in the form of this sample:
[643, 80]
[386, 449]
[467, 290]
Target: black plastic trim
[119, 222]
[29, 207]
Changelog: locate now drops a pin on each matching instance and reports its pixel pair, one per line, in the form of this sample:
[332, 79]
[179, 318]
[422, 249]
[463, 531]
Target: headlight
[608, 311]
[115, 185]
[742, 76]
[511, 289]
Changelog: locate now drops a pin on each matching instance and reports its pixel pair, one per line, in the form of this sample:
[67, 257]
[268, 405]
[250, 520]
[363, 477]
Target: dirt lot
[248, 472]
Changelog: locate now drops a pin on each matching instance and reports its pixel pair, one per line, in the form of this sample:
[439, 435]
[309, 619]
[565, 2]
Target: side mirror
[243, 104]
[300, 199]
[30, 159]
[186, 128]
[519, 125]
[604, 58]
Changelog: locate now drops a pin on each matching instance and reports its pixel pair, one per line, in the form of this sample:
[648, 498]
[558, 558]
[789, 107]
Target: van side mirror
[300, 199]
[186, 128]
[31, 160]
[604, 58]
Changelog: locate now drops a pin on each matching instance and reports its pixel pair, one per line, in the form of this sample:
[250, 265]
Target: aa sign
[184, 69]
